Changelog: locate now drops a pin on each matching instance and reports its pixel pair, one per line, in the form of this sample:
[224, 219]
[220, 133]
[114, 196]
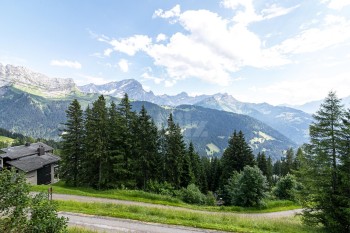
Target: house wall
[32, 177]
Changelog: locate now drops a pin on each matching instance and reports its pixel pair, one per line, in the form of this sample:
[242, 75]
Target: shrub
[23, 213]
[193, 195]
[286, 188]
[163, 188]
[210, 199]
[247, 188]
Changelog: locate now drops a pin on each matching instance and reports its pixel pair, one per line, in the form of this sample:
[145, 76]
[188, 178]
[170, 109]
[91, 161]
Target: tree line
[114, 147]
[111, 146]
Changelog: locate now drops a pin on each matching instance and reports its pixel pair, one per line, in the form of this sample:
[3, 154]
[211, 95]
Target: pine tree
[297, 160]
[287, 163]
[195, 164]
[277, 170]
[187, 176]
[269, 172]
[344, 172]
[262, 162]
[175, 153]
[114, 165]
[236, 156]
[205, 174]
[100, 118]
[214, 179]
[162, 142]
[320, 172]
[128, 128]
[147, 160]
[72, 142]
[89, 171]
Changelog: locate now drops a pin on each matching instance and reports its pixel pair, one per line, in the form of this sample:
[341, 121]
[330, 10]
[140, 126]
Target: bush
[247, 188]
[193, 195]
[22, 213]
[44, 216]
[163, 188]
[286, 188]
[210, 199]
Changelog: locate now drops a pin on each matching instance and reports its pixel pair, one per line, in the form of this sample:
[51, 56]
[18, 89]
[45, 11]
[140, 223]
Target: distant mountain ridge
[36, 83]
[135, 91]
[313, 106]
[208, 129]
[291, 122]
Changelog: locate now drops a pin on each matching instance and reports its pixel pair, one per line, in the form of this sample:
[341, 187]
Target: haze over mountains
[34, 104]
[291, 122]
[313, 106]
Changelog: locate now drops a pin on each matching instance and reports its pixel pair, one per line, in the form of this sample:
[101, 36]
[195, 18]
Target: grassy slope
[219, 221]
[6, 139]
[140, 196]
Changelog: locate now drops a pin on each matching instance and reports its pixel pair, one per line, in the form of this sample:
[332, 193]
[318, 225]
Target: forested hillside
[208, 129]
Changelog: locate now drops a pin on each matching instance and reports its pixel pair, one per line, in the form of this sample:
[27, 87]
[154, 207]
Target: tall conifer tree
[175, 153]
[236, 156]
[72, 142]
[320, 172]
[147, 159]
[128, 128]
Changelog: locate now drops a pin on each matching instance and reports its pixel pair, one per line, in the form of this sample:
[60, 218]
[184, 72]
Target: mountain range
[291, 122]
[313, 106]
[34, 104]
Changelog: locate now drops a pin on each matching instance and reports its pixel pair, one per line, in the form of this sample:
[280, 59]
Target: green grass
[6, 140]
[79, 230]
[141, 196]
[130, 195]
[215, 221]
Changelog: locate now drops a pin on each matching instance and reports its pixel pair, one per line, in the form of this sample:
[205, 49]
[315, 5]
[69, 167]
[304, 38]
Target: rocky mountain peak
[25, 79]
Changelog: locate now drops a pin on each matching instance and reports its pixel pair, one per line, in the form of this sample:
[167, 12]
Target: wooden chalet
[36, 160]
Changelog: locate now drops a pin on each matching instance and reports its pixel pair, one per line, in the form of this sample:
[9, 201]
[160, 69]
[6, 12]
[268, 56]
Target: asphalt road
[108, 225]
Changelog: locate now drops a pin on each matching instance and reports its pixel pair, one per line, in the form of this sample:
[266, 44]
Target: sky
[279, 52]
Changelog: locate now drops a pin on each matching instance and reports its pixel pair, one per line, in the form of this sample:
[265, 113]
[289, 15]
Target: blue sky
[259, 51]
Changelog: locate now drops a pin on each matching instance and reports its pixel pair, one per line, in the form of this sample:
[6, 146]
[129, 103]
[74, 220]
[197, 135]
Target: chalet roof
[22, 151]
[34, 162]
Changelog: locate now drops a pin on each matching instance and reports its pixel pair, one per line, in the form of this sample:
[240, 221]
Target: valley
[208, 122]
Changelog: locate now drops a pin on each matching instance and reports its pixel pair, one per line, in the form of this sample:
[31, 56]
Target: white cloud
[337, 4]
[98, 55]
[170, 83]
[66, 63]
[131, 45]
[276, 11]
[161, 37]
[248, 14]
[334, 31]
[107, 52]
[123, 65]
[174, 12]
[309, 88]
[156, 80]
[212, 49]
